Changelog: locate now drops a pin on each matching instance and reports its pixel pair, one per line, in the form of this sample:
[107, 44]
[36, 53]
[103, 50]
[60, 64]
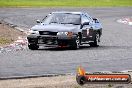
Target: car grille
[47, 33]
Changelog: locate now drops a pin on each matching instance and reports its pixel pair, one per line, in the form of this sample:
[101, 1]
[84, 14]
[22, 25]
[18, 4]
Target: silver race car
[65, 29]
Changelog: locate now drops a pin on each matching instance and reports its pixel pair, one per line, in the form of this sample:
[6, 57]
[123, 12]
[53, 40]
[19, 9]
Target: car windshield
[63, 18]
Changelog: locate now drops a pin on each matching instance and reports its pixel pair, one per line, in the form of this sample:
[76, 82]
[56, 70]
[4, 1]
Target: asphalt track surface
[114, 53]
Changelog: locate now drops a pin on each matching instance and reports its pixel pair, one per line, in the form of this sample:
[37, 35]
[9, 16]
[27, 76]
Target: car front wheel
[33, 46]
[76, 44]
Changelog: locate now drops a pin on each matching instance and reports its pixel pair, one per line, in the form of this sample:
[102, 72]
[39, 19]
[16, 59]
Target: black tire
[76, 43]
[33, 47]
[96, 41]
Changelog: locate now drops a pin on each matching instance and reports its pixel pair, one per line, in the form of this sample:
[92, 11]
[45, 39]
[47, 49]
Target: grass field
[71, 3]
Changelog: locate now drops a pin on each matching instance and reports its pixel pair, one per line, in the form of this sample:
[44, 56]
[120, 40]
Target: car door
[87, 28]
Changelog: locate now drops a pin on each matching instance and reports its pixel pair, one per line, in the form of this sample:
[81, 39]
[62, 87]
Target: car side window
[89, 18]
[84, 18]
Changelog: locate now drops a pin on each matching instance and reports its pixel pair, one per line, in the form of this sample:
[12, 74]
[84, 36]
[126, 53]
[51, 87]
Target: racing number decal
[87, 32]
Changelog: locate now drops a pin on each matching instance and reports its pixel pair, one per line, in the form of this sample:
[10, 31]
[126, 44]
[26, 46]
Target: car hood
[57, 27]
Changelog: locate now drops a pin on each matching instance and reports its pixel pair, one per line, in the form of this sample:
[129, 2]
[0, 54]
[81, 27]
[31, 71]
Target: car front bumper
[48, 40]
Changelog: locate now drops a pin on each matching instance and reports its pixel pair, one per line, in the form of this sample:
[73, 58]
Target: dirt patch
[8, 35]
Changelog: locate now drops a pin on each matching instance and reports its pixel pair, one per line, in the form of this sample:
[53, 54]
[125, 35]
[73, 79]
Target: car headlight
[62, 33]
[65, 33]
[33, 32]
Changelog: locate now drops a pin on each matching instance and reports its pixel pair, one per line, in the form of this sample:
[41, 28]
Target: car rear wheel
[33, 46]
[96, 41]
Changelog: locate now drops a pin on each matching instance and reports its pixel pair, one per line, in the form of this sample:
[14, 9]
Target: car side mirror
[85, 23]
[38, 21]
[97, 22]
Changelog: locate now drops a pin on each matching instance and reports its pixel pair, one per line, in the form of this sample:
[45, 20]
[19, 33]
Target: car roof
[66, 12]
